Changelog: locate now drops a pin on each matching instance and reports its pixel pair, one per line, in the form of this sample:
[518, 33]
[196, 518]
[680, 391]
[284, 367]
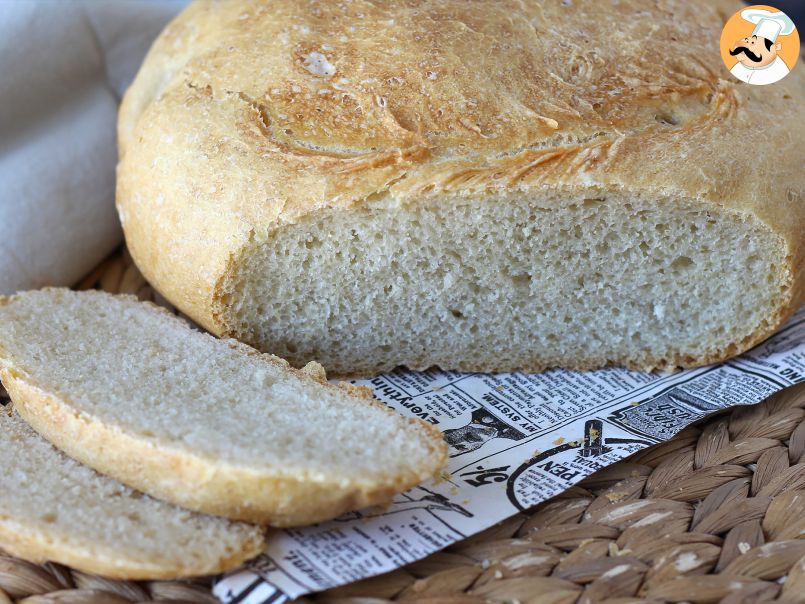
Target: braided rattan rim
[715, 515]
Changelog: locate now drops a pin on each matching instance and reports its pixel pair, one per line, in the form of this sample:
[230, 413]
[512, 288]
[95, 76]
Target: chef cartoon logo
[760, 45]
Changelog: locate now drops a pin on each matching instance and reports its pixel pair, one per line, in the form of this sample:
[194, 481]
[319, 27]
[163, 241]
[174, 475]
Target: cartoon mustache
[752, 56]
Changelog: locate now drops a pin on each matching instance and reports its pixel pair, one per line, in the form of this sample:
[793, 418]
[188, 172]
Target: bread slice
[482, 186]
[52, 508]
[212, 425]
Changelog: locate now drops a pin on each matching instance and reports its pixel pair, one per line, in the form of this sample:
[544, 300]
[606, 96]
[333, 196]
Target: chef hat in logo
[768, 25]
[762, 63]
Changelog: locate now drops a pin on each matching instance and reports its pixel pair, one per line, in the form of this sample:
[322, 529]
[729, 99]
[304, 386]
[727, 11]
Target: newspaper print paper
[515, 440]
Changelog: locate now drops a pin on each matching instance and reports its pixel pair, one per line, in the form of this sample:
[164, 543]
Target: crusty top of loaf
[249, 115]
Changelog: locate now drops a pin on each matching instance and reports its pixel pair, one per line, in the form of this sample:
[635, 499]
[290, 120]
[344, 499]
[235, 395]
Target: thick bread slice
[483, 186]
[52, 508]
[212, 425]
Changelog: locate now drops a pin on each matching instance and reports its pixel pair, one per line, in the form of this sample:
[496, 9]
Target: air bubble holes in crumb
[565, 244]
[682, 263]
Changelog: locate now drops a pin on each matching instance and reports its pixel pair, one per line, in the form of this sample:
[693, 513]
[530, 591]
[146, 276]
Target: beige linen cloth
[64, 65]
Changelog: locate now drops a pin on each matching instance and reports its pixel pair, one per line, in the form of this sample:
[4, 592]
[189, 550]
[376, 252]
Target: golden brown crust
[436, 96]
[36, 546]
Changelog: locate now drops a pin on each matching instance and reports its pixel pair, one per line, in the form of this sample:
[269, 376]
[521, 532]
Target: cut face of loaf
[517, 282]
[209, 424]
[52, 508]
[490, 186]
[511, 283]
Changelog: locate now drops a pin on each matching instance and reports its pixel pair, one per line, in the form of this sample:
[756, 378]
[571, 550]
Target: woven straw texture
[715, 515]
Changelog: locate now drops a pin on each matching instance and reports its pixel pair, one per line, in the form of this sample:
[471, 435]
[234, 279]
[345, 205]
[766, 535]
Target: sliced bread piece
[209, 424]
[54, 508]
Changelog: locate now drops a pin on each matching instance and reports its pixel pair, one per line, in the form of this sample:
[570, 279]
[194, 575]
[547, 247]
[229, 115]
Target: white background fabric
[65, 65]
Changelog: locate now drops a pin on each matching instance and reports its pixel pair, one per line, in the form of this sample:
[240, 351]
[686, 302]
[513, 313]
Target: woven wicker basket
[715, 515]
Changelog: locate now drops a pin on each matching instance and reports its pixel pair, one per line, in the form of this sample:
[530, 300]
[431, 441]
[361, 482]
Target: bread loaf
[211, 425]
[487, 186]
[52, 508]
